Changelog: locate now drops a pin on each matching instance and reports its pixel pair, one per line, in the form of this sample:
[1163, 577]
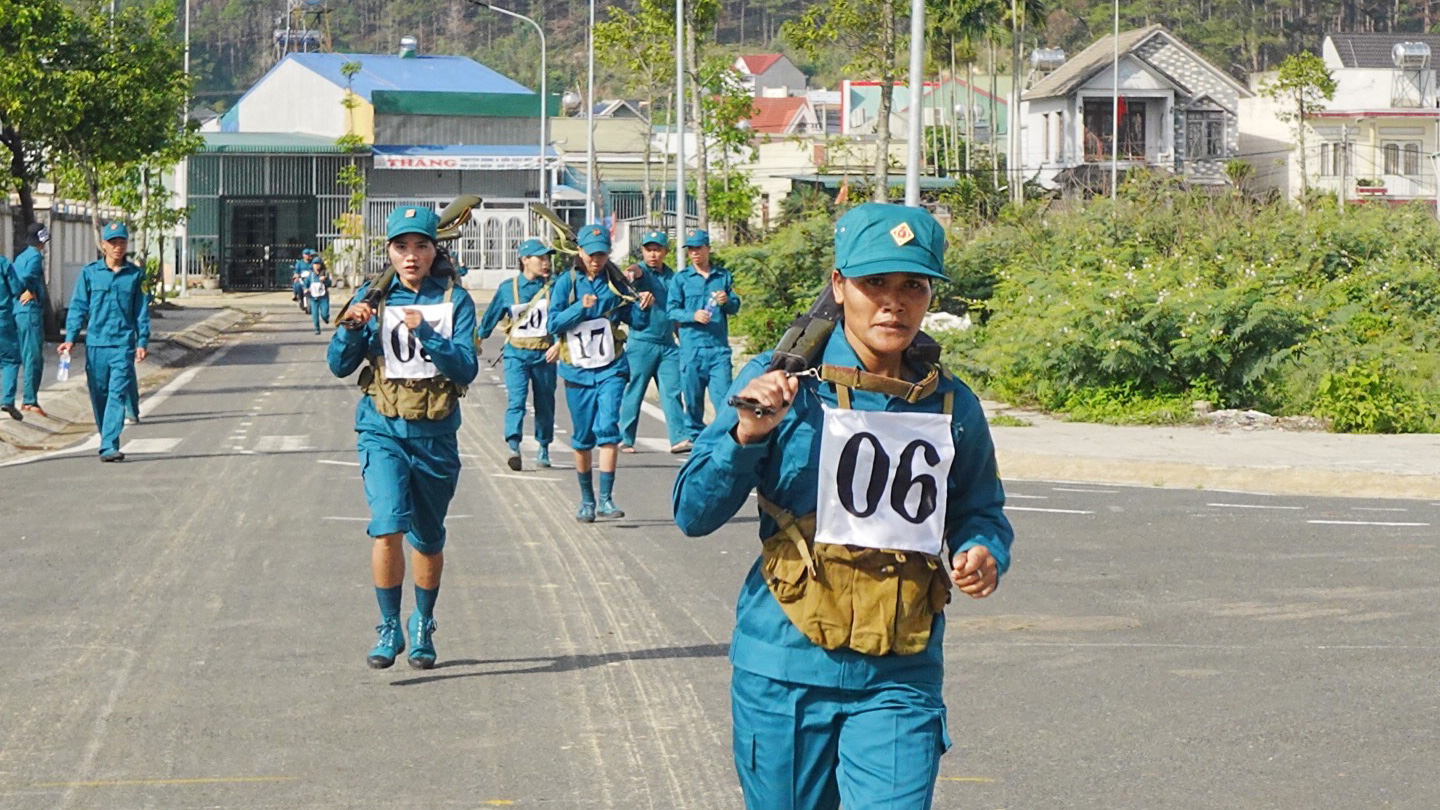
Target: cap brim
[881, 266]
[595, 247]
[403, 231]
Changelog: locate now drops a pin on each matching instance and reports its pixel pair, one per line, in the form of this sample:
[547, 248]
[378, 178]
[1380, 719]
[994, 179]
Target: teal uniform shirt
[689, 291]
[113, 303]
[455, 359]
[30, 273]
[9, 340]
[567, 311]
[660, 329]
[500, 307]
[784, 467]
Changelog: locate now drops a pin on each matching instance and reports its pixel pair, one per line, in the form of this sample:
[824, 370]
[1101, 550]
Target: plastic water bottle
[62, 372]
[712, 307]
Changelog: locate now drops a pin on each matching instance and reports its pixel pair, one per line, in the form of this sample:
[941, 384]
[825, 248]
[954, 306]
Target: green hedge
[1130, 312]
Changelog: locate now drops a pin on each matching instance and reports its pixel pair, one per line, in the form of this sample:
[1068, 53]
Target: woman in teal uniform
[520, 309]
[416, 346]
[585, 308]
[878, 492]
[319, 285]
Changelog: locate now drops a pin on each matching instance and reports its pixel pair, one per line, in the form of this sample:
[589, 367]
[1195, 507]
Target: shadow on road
[565, 663]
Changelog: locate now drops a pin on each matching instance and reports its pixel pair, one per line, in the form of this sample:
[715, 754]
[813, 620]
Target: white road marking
[148, 404]
[149, 445]
[283, 444]
[343, 517]
[1010, 495]
[339, 463]
[1362, 523]
[1094, 491]
[1250, 506]
[523, 477]
[1380, 509]
[1057, 511]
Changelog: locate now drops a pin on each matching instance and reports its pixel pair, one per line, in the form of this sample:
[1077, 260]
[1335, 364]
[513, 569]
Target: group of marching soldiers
[877, 490]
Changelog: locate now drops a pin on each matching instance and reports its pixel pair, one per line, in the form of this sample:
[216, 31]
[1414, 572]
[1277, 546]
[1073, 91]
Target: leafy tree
[1302, 86]
[728, 108]
[129, 99]
[701, 15]
[639, 47]
[38, 85]
[868, 30]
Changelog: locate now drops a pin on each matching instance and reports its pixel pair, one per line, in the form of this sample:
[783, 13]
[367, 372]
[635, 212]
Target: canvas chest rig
[431, 398]
[525, 342]
[872, 601]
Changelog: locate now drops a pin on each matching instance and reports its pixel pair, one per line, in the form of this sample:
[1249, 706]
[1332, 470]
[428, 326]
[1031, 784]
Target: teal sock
[587, 486]
[425, 600]
[389, 599]
[607, 484]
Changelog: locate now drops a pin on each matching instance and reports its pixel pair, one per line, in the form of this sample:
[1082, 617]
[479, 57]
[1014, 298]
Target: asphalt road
[188, 630]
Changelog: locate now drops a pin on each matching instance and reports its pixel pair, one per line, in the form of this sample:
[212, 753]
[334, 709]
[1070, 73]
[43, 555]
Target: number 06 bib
[883, 479]
[405, 358]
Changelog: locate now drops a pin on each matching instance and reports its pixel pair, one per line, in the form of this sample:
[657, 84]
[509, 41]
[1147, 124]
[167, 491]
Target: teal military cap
[534, 247]
[308, 252]
[697, 237]
[655, 237]
[115, 230]
[411, 219]
[594, 238]
[878, 238]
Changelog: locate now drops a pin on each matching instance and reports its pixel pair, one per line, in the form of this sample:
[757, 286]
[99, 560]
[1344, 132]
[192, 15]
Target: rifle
[452, 217]
[564, 243]
[800, 347]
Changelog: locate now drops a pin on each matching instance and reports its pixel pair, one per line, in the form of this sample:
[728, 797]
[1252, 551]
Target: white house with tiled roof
[1177, 112]
[770, 74]
[1374, 139]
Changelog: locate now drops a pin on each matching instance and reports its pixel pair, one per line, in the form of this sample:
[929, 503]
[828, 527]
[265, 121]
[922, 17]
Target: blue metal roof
[459, 74]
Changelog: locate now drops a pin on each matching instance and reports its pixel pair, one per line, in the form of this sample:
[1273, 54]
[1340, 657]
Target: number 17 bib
[883, 479]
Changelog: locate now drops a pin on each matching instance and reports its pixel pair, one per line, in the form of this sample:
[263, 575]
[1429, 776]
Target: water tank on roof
[1046, 59]
[1410, 55]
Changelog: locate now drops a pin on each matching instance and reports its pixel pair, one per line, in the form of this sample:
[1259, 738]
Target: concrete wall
[294, 99]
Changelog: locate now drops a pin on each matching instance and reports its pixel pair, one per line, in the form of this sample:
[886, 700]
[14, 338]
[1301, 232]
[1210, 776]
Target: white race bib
[317, 289]
[592, 344]
[530, 319]
[883, 479]
[405, 358]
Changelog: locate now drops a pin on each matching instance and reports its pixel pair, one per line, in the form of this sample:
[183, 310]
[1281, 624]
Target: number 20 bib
[883, 479]
[530, 319]
[405, 358]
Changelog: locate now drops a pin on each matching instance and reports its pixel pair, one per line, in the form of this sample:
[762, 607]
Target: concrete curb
[67, 404]
[1277, 480]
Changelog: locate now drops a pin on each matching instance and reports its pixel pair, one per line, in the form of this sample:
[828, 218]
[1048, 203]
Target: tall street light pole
[679, 119]
[184, 181]
[590, 125]
[544, 93]
[917, 101]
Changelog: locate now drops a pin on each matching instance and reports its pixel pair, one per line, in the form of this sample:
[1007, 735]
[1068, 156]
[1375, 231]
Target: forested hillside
[232, 39]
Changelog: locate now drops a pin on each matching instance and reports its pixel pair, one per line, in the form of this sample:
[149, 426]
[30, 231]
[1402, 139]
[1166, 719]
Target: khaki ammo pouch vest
[525, 342]
[872, 601]
[616, 333]
[431, 398]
